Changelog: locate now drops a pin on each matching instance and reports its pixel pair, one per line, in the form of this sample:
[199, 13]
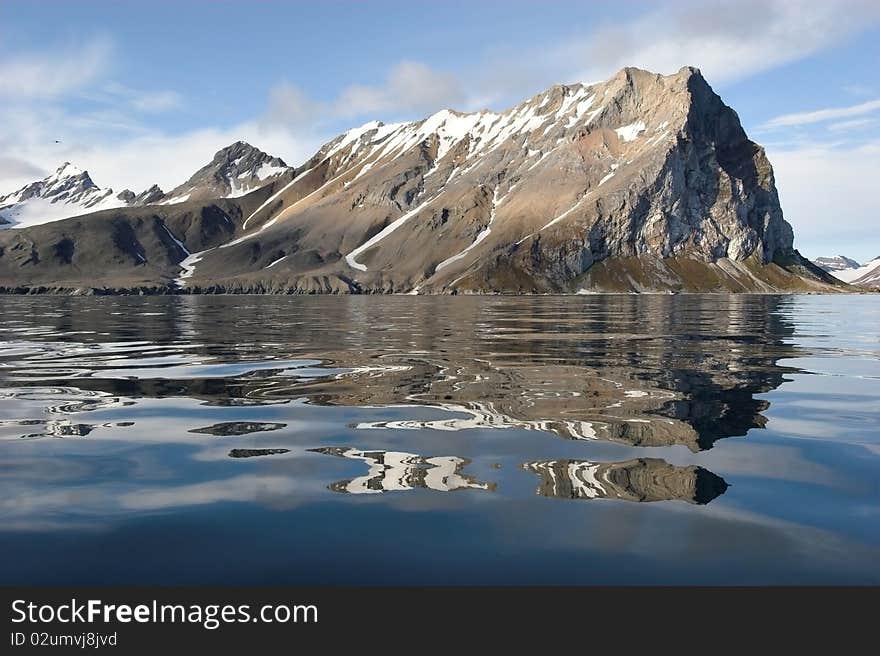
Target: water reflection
[652, 371]
[227, 428]
[207, 421]
[642, 479]
[54, 427]
[392, 471]
[252, 453]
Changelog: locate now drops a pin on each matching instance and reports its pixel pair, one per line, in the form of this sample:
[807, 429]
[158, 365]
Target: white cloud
[727, 41]
[859, 90]
[817, 116]
[120, 152]
[50, 74]
[122, 98]
[18, 171]
[167, 159]
[855, 124]
[158, 101]
[409, 87]
[290, 108]
[825, 195]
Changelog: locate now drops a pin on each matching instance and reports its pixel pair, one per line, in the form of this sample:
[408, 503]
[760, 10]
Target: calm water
[624, 439]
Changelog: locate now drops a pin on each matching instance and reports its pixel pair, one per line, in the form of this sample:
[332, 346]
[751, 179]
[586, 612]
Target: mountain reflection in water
[391, 470]
[644, 479]
[194, 408]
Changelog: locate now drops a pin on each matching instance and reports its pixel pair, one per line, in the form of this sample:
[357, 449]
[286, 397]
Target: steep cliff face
[643, 182]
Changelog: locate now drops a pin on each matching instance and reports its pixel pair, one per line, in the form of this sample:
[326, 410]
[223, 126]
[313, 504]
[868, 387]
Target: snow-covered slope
[836, 263]
[69, 191]
[867, 275]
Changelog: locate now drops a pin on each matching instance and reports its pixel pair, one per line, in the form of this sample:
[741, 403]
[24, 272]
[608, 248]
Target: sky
[145, 92]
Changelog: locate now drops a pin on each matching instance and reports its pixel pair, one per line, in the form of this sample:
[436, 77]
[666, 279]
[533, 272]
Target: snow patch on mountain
[631, 131]
[867, 274]
[69, 191]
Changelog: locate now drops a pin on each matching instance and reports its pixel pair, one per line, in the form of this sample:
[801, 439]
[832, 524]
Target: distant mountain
[67, 192]
[643, 182]
[836, 263]
[234, 171]
[867, 275]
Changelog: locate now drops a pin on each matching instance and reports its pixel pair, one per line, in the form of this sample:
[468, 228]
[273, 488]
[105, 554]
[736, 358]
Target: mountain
[836, 263]
[641, 183]
[234, 171]
[866, 275]
[644, 479]
[67, 192]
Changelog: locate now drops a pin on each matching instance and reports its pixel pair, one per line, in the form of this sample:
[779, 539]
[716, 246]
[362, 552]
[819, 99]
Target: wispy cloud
[290, 108]
[862, 90]
[139, 159]
[820, 115]
[727, 41]
[855, 124]
[50, 74]
[19, 169]
[156, 101]
[409, 86]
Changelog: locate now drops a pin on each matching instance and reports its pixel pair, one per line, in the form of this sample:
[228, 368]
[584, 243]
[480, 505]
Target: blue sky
[144, 92]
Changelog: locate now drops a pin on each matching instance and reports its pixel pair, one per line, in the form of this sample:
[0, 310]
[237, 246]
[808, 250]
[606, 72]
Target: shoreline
[79, 291]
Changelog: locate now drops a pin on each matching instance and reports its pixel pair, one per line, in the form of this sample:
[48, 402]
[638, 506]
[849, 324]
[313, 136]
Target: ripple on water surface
[440, 439]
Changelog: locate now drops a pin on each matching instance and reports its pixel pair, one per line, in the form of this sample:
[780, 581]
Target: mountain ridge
[233, 171]
[850, 271]
[643, 182]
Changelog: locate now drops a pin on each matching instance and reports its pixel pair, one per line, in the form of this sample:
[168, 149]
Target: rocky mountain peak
[233, 171]
[66, 192]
